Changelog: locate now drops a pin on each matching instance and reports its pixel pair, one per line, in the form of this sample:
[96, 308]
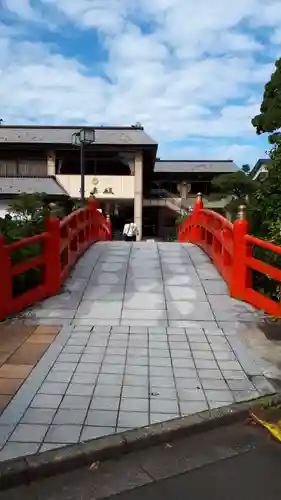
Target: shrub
[26, 217]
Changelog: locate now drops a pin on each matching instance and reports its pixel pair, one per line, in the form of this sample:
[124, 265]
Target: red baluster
[52, 257]
[6, 281]
[239, 267]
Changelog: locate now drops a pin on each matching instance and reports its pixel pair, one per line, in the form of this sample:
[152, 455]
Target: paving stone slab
[144, 285]
[5, 432]
[189, 310]
[132, 419]
[144, 314]
[29, 433]
[181, 280]
[67, 434]
[103, 418]
[91, 432]
[67, 300]
[38, 416]
[103, 293]
[144, 322]
[176, 293]
[111, 267]
[189, 407]
[97, 321]
[99, 309]
[108, 278]
[14, 450]
[46, 401]
[144, 300]
[215, 287]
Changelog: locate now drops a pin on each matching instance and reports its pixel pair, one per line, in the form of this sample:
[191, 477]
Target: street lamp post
[82, 173]
[84, 136]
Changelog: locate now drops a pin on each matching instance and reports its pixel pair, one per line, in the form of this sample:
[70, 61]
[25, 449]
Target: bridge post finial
[198, 205]
[241, 212]
[108, 226]
[240, 276]
[52, 209]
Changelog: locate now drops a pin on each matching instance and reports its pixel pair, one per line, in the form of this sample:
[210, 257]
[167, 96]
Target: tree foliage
[26, 217]
[265, 203]
[181, 218]
[246, 168]
[236, 184]
[269, 119]
[264, 213]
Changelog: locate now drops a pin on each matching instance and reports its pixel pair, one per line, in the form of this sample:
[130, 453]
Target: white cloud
[276, 37]
[22, 8]
[268, 14]
[107, 16]
[195, 71]
[241, 153]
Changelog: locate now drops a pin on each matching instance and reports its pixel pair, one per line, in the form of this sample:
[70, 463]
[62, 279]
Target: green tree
[264, 213]
[237, 185]
[269, 119]
[265, 203]
[246, 168]
[27, 214]
[26, 217]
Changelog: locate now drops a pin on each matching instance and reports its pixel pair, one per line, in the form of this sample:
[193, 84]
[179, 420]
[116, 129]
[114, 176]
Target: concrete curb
[30, 468]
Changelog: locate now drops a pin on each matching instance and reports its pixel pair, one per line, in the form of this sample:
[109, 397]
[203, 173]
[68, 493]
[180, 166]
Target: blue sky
[192, 73]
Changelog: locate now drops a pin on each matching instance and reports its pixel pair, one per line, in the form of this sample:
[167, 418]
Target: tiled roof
[197, 166]
[63, 135]
[18, 185]
[258, 165]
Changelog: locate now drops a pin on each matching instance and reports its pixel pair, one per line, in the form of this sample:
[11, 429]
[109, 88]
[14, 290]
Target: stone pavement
[144, 284]
[149, 335]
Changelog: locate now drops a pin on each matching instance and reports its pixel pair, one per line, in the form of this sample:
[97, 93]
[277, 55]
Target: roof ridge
[193, 161]
[99, 127]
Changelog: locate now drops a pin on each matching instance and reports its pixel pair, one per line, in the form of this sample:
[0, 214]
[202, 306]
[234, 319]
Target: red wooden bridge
[231, 250]
[228, 245]
[149, 332]
[61, 244]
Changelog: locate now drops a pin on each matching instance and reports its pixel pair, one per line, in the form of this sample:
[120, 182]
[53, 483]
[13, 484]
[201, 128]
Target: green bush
[26, 218]
[180, 220]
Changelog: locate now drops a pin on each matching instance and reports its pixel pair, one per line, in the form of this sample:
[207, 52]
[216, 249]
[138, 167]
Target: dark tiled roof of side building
[16, 185]
[63, 135]
[182, 166]
[258, 165]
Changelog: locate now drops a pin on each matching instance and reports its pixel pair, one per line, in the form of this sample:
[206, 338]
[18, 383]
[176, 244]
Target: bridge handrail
[60, 246]
[230, 248]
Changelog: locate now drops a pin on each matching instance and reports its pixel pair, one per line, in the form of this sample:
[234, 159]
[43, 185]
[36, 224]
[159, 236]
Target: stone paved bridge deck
[149, 334]
[145, 284]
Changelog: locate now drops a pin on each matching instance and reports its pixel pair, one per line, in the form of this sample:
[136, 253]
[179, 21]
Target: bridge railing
[231, 249]
[57, 250]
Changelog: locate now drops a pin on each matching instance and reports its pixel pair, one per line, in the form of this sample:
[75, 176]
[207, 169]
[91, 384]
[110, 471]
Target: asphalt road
[249, 476]
[236, 462]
